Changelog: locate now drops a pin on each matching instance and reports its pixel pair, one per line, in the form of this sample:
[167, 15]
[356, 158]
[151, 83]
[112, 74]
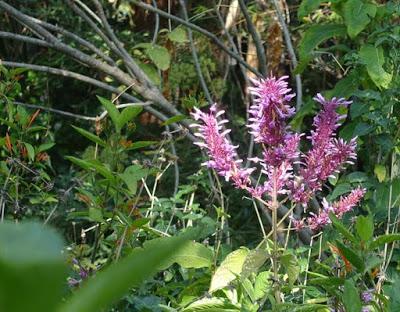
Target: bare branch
[194, 55]
[262, 61]
[200, 30]
[73, 36]
[31, 40]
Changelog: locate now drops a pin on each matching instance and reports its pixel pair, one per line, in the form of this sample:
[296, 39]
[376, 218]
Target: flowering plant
[269, 127]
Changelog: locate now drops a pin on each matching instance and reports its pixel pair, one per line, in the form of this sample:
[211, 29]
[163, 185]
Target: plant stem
[274, 208]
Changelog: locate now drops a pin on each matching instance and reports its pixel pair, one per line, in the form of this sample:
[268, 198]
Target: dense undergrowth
[105, 202]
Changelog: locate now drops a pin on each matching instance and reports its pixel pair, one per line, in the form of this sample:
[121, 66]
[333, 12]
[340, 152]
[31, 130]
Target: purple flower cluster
[268, 125]
[222, 154]
[327, 154]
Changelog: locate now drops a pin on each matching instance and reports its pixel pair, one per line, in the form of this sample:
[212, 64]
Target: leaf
[32, 268]
[365, 227]
[212, 305]
[229, 269]
[95, 214]
[113, 282]
[384, 239]
[159, 56]
[339, 190]
[112, 111]
[30, 150]
[140, 144]
[307, 7]
[261, 284]
[44, 147]
[315, 35]
[341, 228]
[178, 35]
[357, 15]
[254, 260]
[351, 256]
[190, 255]
[380, 172]
[128, 114]
[92, 165]
[351, 297]
[90, 136]
[132, 175]
[374, 60]
[173, 119]
[292, 267]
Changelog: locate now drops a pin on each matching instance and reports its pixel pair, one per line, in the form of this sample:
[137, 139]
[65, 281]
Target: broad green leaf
[292, 267]
[229, 269]
[212, 305]
[92, 165]
[357, 15]
[112, 111]
[30, 150]
[307, 7]
[254, 260]
[261, 284]
[174, 119]
[95, 214]
[92, 137]
[365, 227]
[374, 60]
[45, 146]
[160, 56]
[350, 255]
[140, 144]
[190, 255]
[128, 114]
[351, 297]
[341, 228]
[380, 172]
[346, 86]
[314, 36]
[327, 281]
[132, 175]
[32, 268]
[178, 35]
[394, 299]
[114, 281]
[384, 239]
[151, 71]
[339, 190]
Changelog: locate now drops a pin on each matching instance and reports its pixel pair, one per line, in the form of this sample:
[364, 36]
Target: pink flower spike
[222, 154]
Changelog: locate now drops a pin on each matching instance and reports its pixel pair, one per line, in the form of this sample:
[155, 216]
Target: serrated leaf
[178, 35]
[365, 227]
[159, 56]
[229, 269]
[254, 260]
[292, 267]
[380, 172]
[261, 284]
[211, 305]
[191, 255]
[357, 15]
[351, 297]
[112, 111]
[132, 175]
[373, 58]
[92, 137]
[315, 35]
